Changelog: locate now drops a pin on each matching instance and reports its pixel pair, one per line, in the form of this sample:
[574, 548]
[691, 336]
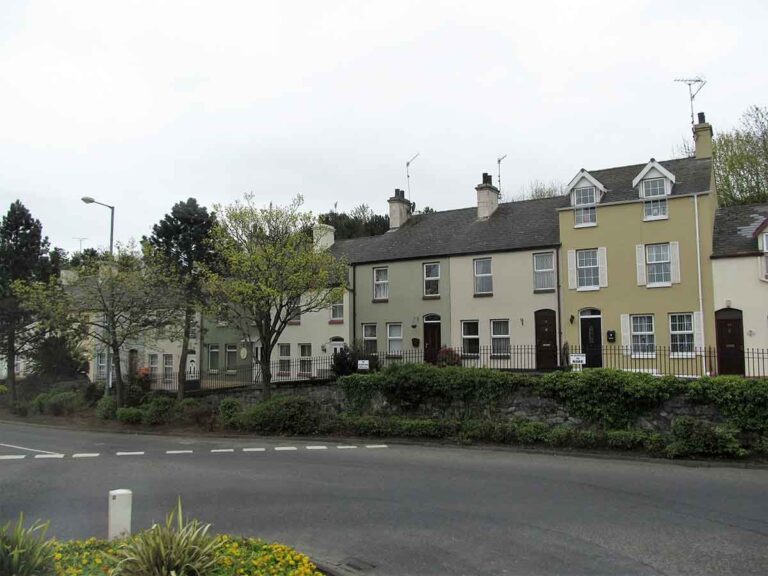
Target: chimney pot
[702, 119]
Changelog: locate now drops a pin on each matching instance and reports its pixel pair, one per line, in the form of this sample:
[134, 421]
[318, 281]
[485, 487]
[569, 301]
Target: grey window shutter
[626, 342]
[698, 332]
[674, 261]
[640, 257]
[572, 269]
[602, 262]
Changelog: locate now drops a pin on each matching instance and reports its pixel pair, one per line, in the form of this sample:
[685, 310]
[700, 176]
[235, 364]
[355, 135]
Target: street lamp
[89, 200]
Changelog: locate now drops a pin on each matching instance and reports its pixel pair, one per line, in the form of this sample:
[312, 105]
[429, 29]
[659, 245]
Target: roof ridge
[645, 163]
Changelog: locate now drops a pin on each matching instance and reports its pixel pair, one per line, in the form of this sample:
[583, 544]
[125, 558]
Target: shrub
[281, 415]
[93, 392]
[106, 408]
[229, 410]
[626, 439]
[743, 401]
[344, 361]
[159, 410]
[447, 356]
[178, 547]
[57, 403]
[20, 409]
[3, 389]
[24, 551]
[135, 395]
[130, 415]
[692, 437]
[196, 412]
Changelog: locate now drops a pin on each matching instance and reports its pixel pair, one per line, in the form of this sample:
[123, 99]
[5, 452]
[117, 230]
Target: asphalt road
[403, 509]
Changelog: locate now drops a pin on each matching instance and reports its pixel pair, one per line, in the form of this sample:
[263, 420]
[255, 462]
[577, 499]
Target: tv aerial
[408, 174]
[694, 87]
[498, 161]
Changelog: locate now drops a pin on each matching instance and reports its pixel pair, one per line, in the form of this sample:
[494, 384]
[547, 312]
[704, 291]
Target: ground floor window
[500, 337]
[230, 357]
[370, 341]
[395, 339]
[305, 363]
[101, 366]
[470, 337]
[154, 367]
[167, 368]
[643, 337]
[681, 333]
[284, 362]
[213, 358]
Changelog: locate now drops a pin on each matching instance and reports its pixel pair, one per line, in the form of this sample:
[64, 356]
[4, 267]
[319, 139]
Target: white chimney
[487, 197]
[323, 235]
[399, 209]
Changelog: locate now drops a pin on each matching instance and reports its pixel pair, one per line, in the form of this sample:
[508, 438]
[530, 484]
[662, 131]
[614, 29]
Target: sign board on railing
[363, 364]
[578, 361]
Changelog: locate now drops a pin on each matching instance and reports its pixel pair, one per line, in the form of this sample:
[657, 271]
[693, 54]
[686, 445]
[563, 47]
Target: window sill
[659, 285]
[655, 218]
[644, 355]
[590, 225]
[484, 295]
[431, 297]
[544, 291]
[335, 321]
[379, 300]
[587, 288]
[682, 355]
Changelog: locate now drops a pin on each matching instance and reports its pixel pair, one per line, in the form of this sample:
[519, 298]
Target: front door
[591, 341]
[431, 340]
[546, 339]
[729, 330]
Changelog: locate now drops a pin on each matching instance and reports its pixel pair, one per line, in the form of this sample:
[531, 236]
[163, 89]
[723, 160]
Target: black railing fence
[657, 360]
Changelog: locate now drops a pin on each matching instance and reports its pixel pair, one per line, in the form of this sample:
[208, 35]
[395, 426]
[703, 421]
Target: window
[230, 357]
[584, 196]
[381, 283]
[305, 363]
[588, 271]
[653, 188]
[284, 362]
[337, 310]
[681, 333]
[643, 339]
[294, 310]
[101, 366]
[432, 279]
[483, 276]
[500, 337]
[584, 200]
[655, 209]
[586, 216]
[544, 271]
[167, 368]
[395, 339]
[658, 266]
[370, 340]
[213, 358]
[470, 337]
[153, 367]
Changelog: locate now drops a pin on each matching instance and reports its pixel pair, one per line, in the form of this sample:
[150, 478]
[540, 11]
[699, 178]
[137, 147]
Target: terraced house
[637, 239]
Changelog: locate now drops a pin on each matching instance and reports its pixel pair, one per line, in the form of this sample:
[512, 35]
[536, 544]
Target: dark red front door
[729, 330]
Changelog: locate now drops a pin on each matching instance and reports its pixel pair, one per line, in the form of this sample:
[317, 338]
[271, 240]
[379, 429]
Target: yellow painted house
[635, 270]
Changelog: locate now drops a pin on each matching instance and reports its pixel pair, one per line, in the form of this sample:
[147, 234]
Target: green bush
[130, 415]
[229, 412]
[106, 408]
[24, 551]
[743, 401]
[20, 409]
[626, 439]
[58, 403]
[135, 395]
[159, 410]
[281, 415]
[92, 393]
[692, 437]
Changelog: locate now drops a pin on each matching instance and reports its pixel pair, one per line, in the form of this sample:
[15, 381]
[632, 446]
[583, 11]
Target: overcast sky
[143, 104]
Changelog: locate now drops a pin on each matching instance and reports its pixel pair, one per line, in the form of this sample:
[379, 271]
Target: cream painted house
[740, 275]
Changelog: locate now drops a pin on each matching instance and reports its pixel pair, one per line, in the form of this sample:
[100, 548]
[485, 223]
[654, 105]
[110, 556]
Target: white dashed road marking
[220, 450]
[254, 449]
[178, 451]
[13, 457]
[317, 447]
[129, 453]
[278, 448]
[376, 446]
[345, 447]
[86, 455]
[49, 455]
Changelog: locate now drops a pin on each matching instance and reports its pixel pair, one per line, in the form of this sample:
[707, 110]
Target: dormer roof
[583, 174]
[652, 164]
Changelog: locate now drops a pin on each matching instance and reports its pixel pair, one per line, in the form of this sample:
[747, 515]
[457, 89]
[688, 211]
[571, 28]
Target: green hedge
[280, 415]
[744, 402]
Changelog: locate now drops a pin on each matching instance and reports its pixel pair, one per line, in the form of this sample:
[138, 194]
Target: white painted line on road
[376, 446]
[178, 451]
[219, 450]
[345, 447]
[28, 449]
[13, 457]
[285, 448]
[49, 455]
[254, 449]
[317, 447]
[129, 453]
[86, 455]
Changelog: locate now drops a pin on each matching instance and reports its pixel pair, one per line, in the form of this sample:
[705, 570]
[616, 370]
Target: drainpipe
[354, 310]
[701, 297]
[559, 316]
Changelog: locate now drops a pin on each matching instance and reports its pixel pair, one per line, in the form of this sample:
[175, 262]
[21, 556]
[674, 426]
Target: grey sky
[142, 104]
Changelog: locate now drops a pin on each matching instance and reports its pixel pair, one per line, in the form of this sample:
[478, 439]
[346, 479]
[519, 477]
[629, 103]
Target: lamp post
[89, 200]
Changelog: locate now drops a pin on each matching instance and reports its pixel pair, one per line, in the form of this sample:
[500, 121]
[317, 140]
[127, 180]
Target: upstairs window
[587, 269]
[483, 276]
[337, 310]
[584, 196]
[655, 209]
[381, 283]
[544, 271]
[432, 279]
[658, 265]
[654, 188]
[584, 199]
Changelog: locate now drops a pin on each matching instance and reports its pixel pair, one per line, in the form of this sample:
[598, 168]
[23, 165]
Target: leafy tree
[112, 300]
[273, 272]
[741, 160]
[24, 256]
[181, 244]
[360, 222]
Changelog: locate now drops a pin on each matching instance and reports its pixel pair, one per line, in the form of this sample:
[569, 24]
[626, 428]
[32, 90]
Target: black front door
[591, 342]
[729, 330]
[546, 339]
[431, 341]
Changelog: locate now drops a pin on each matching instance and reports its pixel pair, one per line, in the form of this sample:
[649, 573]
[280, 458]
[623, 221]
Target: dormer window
[584, 200]
[654, 188]
[765, 256]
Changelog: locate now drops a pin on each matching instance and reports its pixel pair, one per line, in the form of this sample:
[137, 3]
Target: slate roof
[691, 175]
[523, 225]
[735, 228]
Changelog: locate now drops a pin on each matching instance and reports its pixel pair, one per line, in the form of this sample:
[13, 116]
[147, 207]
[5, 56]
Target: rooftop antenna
[80, 238]
[694, 87]
[498, 161]
[408, 174]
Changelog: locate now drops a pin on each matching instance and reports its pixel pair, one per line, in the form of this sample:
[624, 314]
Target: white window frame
[214, 349]
[578, 193]
[284, 358]
[381, 285]
[649, 264]
[153, 363]
[648, 206]
[642, 350]
[547, 274]
[433, 279]
[230, 349]
[337, 310]
[587, 287]
[585, 209]
[672, 333]
[503, 339]
[765, 257]
[167, 368]
[392, 341]
[479, 276]
[305, 359]
[101, 366]
[471, 337]
[367, 339]
[647, 185]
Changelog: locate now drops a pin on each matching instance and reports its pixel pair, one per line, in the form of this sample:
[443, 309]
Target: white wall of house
[741, 283]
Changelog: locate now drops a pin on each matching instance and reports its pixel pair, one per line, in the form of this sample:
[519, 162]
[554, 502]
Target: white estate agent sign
[578, 361]
[363, 364]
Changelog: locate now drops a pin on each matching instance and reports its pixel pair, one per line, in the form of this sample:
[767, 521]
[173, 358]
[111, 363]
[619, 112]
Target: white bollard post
[120, 502]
